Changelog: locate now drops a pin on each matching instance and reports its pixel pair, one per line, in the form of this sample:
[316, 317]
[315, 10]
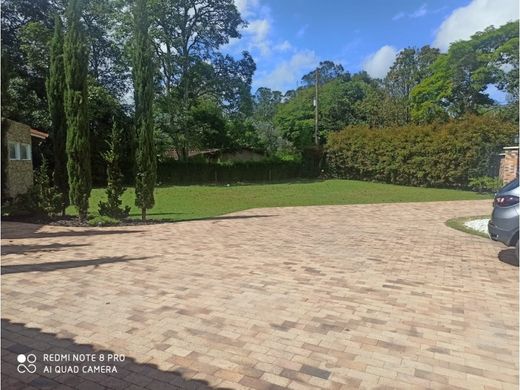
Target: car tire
[516, 250]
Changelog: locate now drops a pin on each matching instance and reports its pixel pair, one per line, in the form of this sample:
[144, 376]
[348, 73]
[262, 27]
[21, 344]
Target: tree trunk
[143, 214]
[82, 215]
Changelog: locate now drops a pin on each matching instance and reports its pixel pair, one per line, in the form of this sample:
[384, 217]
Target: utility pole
[316, 139]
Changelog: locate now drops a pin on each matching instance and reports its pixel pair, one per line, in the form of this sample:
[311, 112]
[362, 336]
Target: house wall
[19, 172]
[509, 164]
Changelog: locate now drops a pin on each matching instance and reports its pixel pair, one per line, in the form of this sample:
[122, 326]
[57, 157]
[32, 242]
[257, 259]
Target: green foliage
[343, 101]
[42, 200]
[115, 189]
[78, 144]
[4, 156]
[410, 67]
[200, 172]
[295, 118]
[483, 184]
[34, 43]
[26, 31]
[143, 70]
[327, 71]
[103, 109]
[193, 71]
[459, 78]
[47, 197]
[444, 155]
[103, 220]
[208, 125]
[55, 97]
[265, 105]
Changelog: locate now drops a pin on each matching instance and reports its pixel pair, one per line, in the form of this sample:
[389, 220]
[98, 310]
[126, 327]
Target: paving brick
[300, 297]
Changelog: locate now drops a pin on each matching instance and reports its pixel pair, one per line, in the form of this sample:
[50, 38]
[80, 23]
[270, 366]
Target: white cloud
[288, 72]
[246, 7]
[256, 35]
[302, 30]
[421, 11]
[258, 31]
[377, 64]
[418, 13]
[283, 46]
[463, 22]
[398, 16]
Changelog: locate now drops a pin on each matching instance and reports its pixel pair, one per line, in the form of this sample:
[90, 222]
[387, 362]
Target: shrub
[99, 220]
[484, 184]
[200, 172]
[437, 155]
[112, 207]
[42, 200]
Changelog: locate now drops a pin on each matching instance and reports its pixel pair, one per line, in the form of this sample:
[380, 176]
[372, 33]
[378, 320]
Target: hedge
[193, 172]
[436, 155]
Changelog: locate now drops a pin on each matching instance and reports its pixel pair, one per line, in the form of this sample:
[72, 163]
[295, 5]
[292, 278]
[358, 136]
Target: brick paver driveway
[370, 296]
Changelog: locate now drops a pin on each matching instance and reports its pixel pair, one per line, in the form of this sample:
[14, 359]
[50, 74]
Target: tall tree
[78, 147]
[459, 79]
[143, 70]
[328, 71]
[186, 36]
[55, 97]
[266, 102]
[411, 66]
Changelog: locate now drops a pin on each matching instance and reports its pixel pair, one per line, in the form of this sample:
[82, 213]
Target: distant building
[19, 169]
[214, 155]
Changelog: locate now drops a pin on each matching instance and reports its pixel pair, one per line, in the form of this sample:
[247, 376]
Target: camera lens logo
[23, 367]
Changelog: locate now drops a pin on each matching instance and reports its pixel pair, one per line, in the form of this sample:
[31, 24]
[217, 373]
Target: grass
[195, 202]
[458, 224]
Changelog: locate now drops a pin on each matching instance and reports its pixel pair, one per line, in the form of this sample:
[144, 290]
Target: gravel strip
[480, 225]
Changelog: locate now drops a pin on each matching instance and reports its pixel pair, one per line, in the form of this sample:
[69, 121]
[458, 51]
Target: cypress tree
[75, 52]
[115, 189]
[146, 164]
[55, 95]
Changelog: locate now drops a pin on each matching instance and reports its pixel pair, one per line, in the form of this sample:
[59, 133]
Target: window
[14, 151]
[25, 152]
[18, 151]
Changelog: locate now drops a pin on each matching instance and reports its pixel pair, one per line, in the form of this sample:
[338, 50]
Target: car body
[503, 225]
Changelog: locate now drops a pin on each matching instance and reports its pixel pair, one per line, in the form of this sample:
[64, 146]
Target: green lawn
[458, 224]
[193, 202]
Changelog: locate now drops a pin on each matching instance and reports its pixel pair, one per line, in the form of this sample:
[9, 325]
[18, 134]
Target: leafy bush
[484, 184]
[47, 197]
[42, 200]
[441, 155]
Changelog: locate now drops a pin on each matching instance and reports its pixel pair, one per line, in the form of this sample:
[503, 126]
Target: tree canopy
[202, 95]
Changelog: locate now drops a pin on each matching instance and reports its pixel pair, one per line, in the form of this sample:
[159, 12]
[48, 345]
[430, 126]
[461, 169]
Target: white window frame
[27, 150]
[16, 150]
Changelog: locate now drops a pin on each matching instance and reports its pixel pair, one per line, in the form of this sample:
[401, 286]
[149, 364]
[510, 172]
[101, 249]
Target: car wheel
[516, 249]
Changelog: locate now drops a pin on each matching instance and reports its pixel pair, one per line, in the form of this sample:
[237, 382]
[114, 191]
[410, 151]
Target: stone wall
[19, 172]
[509, 164]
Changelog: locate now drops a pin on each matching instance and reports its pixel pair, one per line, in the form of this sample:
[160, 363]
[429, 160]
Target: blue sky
[288, 38]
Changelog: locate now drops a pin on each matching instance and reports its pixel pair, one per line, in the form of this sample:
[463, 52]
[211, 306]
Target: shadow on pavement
[22, 249]
[86, 231]
[508, 256]
[230, 217]
[18, 339]
[58, 265]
